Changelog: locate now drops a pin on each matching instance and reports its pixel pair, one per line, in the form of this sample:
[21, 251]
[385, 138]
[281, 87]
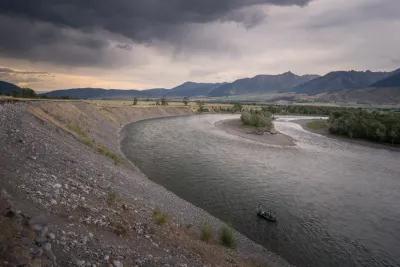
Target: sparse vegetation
[227, 237]
[108, 153]
[111, 197]
[317, 125]
[90, 142]
[81, 134]
[206, 232]
[159, 217]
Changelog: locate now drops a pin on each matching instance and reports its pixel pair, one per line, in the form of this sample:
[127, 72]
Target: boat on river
[266, 214]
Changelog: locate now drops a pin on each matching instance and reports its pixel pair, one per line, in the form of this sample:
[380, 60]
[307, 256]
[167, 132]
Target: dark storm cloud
[17, 72]
[136, 19]
[77, 32]
[18, 76]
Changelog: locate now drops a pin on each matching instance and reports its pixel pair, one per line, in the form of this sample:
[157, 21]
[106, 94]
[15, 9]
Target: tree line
[23, 92]
[371, 125]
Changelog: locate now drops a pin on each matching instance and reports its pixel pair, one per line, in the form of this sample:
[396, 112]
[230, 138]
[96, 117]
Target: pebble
[80, 262]
[52, 236]
[117, 264]
[57, 185]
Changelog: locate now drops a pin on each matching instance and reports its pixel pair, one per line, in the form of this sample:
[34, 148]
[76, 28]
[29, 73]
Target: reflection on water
[337, 203]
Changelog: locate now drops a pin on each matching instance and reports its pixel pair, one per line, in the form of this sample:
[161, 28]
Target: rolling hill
[192, 89]
[7, 88]
[95, 93]
[187, 89]
[391, 81]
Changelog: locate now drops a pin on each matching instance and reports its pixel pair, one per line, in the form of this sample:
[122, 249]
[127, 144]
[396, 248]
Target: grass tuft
[112, 198]
[159, 217]
[227, 237]
[206, 232]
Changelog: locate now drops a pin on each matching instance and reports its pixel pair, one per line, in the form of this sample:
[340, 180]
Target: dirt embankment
[74, 200]
[235, 127]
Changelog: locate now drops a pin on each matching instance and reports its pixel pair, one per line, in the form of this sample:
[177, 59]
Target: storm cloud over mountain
[161, 43]
[79, 32]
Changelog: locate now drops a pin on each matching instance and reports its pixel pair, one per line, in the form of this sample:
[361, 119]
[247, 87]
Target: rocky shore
[70, 198]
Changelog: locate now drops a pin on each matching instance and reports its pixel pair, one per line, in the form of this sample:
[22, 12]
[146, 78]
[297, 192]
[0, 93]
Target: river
[337, 202]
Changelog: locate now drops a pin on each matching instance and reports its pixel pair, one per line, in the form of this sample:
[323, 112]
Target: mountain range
[261, 84]
[334, 85]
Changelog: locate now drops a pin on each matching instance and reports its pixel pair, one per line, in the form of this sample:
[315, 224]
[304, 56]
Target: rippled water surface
[338, 203]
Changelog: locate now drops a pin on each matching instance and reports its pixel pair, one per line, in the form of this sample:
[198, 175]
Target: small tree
[164, 101]
[237, 107]
[135, 100]
[186, 100]
[201, 107]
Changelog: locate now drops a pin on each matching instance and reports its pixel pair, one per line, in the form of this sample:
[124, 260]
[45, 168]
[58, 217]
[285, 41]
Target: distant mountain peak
[261, 84]
[288, 73]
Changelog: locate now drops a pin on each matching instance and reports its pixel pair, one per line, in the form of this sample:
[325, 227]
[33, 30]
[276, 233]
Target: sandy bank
[235, 127]
[61, 164]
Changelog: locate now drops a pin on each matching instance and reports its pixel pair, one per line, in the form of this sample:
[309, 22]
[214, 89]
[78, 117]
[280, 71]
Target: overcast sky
[137, 44]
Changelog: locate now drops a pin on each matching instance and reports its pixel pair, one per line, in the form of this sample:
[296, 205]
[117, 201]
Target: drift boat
[266, 214]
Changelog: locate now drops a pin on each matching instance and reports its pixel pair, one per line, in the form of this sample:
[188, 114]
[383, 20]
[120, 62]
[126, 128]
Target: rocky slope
[70, 198]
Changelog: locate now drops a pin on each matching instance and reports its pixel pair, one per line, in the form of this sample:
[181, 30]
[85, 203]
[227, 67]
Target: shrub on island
[258, 119]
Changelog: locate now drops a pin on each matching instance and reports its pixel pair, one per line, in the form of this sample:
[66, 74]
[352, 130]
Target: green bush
[159, 217]
[259, 119]
[237, 107]
[227, 237]
[206, 232]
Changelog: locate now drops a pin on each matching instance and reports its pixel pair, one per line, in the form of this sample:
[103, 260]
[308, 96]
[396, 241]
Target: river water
[337, 203]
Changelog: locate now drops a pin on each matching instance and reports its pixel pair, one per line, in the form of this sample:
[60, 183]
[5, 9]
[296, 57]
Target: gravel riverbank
[235, 127]
[70, 198]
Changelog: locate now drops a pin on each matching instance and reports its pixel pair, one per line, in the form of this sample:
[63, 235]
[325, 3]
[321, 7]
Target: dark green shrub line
[374, 126]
